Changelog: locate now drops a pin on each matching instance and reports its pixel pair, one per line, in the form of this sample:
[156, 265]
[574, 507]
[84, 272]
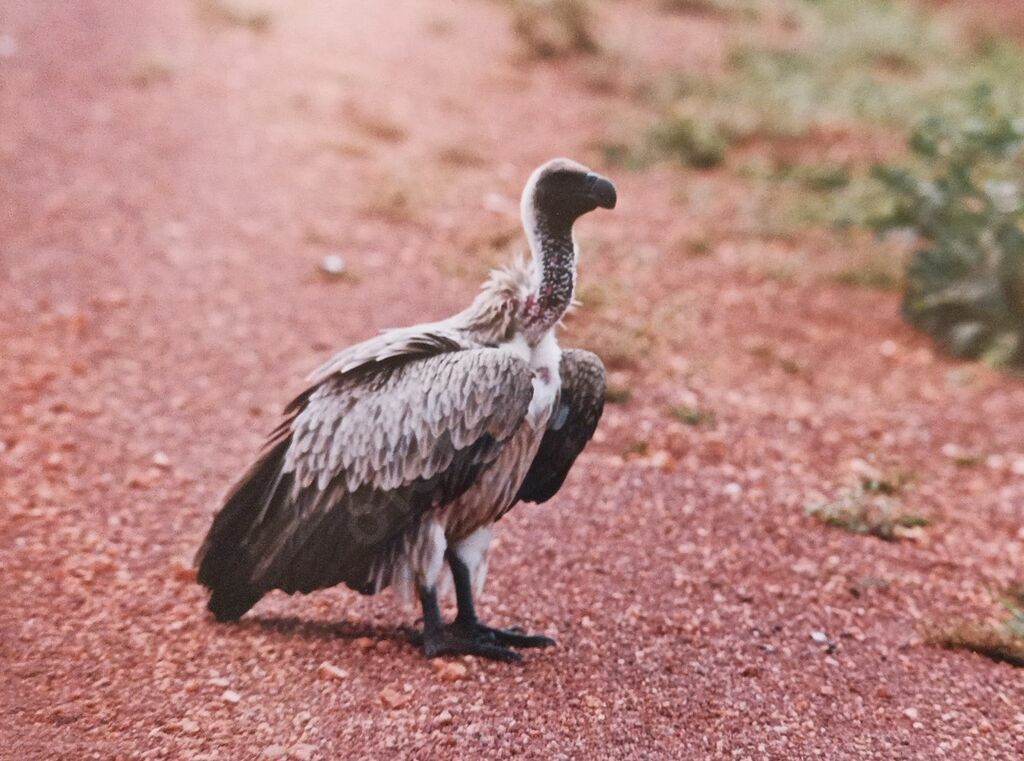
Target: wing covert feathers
[364, 453]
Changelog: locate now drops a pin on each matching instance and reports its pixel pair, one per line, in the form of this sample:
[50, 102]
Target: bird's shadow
[329, 630]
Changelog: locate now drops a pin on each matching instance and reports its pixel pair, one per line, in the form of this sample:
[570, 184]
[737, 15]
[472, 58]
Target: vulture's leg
[439, 639]
[467, 622]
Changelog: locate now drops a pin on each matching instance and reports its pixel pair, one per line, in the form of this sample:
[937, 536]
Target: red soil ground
[170, 183]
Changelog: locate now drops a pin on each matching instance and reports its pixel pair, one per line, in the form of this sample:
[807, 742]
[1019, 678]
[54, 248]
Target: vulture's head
[561, 190]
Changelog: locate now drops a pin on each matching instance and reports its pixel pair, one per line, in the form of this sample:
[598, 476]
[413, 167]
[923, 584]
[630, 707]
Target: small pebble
[329, 670]
[450, 671]
[393, 698]
[332, 265]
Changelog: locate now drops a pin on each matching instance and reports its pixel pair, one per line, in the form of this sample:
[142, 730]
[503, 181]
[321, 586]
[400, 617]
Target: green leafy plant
[709, 7]
[694, 416]
[636, 448]
[244, 13]
[617, 395]
[871, 507]
[965, 285]
[840, 65]
[998, 640]
[554, 28]
[693, 142]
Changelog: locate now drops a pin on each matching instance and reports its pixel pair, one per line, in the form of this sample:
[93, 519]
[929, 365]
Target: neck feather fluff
[554, 255]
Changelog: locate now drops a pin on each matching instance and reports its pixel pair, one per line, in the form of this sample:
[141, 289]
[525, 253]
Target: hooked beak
[601, 191]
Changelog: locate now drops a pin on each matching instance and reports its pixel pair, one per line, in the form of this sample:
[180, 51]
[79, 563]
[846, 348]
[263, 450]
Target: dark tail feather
[224, 562]
[231, 602]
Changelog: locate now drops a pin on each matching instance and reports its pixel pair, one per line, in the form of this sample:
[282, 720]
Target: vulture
[407, 448]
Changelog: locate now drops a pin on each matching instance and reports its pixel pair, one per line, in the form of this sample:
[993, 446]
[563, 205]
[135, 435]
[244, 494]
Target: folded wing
[573, 422]
[364, 454]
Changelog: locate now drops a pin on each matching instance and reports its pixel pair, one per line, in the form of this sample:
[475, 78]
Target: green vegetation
[461, 155]
[554, 28]
[817, 194]
[831, 65]
[622, 341]
[636, 449]
[694, 416]
[877, 273]
[1000, 641]
[249, 14]
[621, 345]
[396, 196]
[151, 69]
[871, 507]
[769, 353]
[375, 124]
[965, 286]
[689, 141]
[617, 394]
[835, 72]
[708, 7]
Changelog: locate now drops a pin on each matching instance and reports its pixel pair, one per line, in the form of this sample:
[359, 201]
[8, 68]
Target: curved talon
[466, 635]
[477, 639]
[451, 642]
[518, 638]
[513, 636]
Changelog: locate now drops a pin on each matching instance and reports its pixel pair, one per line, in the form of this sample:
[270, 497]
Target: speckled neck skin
[556, 259]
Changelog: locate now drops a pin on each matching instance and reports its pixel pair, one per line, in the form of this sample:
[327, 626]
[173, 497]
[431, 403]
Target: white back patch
[545, 360]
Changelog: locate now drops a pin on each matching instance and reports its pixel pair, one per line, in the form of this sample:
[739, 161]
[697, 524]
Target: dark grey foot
[454, 640]
[513, 636]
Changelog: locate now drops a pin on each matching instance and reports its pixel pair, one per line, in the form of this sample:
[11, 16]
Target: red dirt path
[169, 185]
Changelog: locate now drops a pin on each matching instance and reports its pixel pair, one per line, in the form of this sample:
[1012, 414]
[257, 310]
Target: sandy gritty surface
[169, 183]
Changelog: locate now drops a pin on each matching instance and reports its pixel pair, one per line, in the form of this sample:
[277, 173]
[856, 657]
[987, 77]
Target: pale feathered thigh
[419, 557]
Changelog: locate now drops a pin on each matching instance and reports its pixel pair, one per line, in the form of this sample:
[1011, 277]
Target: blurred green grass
[824, 65]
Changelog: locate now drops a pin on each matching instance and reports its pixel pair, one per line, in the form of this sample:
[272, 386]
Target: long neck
[554, 254]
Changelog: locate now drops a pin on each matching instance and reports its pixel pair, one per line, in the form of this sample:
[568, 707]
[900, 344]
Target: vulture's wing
[363, 456]
[401, 343]
[573, 422]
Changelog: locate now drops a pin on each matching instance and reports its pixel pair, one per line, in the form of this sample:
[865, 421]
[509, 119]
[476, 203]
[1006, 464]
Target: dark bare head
[557, 194]
[561, 191]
